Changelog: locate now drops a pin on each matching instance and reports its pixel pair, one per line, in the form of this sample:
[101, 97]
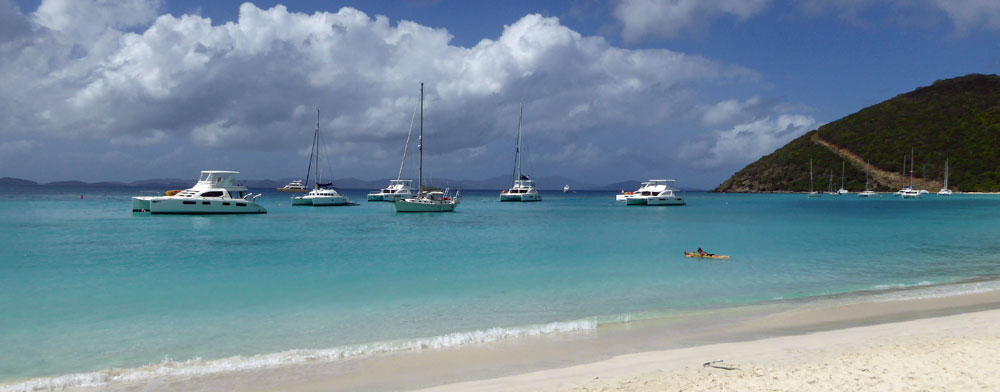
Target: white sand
[952, 353]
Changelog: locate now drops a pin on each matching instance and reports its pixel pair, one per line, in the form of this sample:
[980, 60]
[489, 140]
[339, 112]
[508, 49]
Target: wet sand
[774, 347]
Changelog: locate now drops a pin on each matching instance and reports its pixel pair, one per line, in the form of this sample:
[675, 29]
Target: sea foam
[201, 367]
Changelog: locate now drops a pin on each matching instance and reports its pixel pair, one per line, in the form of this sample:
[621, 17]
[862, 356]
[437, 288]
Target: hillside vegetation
[956, 119]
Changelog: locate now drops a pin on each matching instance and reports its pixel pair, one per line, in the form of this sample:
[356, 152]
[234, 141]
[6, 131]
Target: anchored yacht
[397, 190]
[655, 193]
[944, 189]
[524, 187]
[322, 194]
[428, 199]
[294, 186]
[215, 193]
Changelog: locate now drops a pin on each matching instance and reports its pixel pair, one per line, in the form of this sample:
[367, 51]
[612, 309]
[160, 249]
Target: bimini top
[217, 177]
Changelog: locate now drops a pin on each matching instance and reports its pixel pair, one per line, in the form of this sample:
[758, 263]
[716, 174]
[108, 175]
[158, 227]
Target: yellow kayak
[693, 254]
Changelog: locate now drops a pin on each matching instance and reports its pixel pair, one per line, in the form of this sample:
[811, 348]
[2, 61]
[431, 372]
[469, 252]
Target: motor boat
[294, 186]
[216, 192]
[655, 193]
[397, 190]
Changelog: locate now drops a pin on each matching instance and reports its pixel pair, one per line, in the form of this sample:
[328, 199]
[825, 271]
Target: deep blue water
[86, 285]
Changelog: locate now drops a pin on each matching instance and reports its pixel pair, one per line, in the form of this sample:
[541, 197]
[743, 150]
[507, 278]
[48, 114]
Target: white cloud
[244, 83]
[731, 111]
[671, 18]
[745, 142]
[971, 14]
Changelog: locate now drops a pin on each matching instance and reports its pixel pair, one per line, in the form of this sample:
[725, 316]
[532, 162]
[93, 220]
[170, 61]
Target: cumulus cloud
[752, 135]
[125, 75]
[671, 18]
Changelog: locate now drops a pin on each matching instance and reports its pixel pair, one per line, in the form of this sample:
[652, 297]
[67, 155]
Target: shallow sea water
[87, 285]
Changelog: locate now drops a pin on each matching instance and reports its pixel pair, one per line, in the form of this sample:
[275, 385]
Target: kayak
[693, 254]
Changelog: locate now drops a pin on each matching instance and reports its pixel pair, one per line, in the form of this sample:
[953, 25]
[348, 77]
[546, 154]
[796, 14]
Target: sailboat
[429, 199]
[321, 194]
[398, 189]
[868, 192]
[944, 189]
[524, 187]
[842, 191]
[829, 189]
[812, 193]
[909, 192]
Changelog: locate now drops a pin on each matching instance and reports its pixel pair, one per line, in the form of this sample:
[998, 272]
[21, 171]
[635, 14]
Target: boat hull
[410, 205]
[387, 197]
[186, 206]
[635, 201]
[321, 201]
[292, 190]
[665, 201]
[520, 197]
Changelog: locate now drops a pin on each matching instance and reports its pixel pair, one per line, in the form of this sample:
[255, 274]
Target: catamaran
[909, 192]
[524, 187]
[655, 193]
[944, 189]
[812, 193]
[322, 194]
[842, 191]
[829, 189]
[398, 189]
[215, 193]
[868, 192]
[428, 199]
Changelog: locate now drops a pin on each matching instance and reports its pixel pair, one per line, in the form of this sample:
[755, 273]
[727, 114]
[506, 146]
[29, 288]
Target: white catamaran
[428, 199]
[812, 193]
[868, 192]
[944, 189]
[524, 187]
[322, 194]
[398, 189]
[216, 192]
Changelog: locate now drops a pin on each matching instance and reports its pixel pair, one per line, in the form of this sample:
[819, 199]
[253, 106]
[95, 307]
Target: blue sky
[613, 90]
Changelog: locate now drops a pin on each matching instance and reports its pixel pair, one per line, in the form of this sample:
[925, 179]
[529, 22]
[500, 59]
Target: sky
[612, 90]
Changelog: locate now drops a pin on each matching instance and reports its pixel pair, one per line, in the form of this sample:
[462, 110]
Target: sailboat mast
[902, 177]
[810, 176]
[420, 143]
[868, 169]
[517, 149]
[843, 165]
[316, 149]
[913, 161]
[946, 173]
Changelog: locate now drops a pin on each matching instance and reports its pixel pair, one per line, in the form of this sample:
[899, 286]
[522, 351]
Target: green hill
[955, 119]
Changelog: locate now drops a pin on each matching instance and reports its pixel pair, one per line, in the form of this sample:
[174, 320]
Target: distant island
[955, 119]
[494, 183]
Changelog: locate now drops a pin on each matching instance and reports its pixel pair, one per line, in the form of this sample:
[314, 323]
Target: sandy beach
[917, 343]
[950, 353]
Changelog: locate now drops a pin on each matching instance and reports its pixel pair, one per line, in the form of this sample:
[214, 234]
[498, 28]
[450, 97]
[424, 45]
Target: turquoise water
[87, 285]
